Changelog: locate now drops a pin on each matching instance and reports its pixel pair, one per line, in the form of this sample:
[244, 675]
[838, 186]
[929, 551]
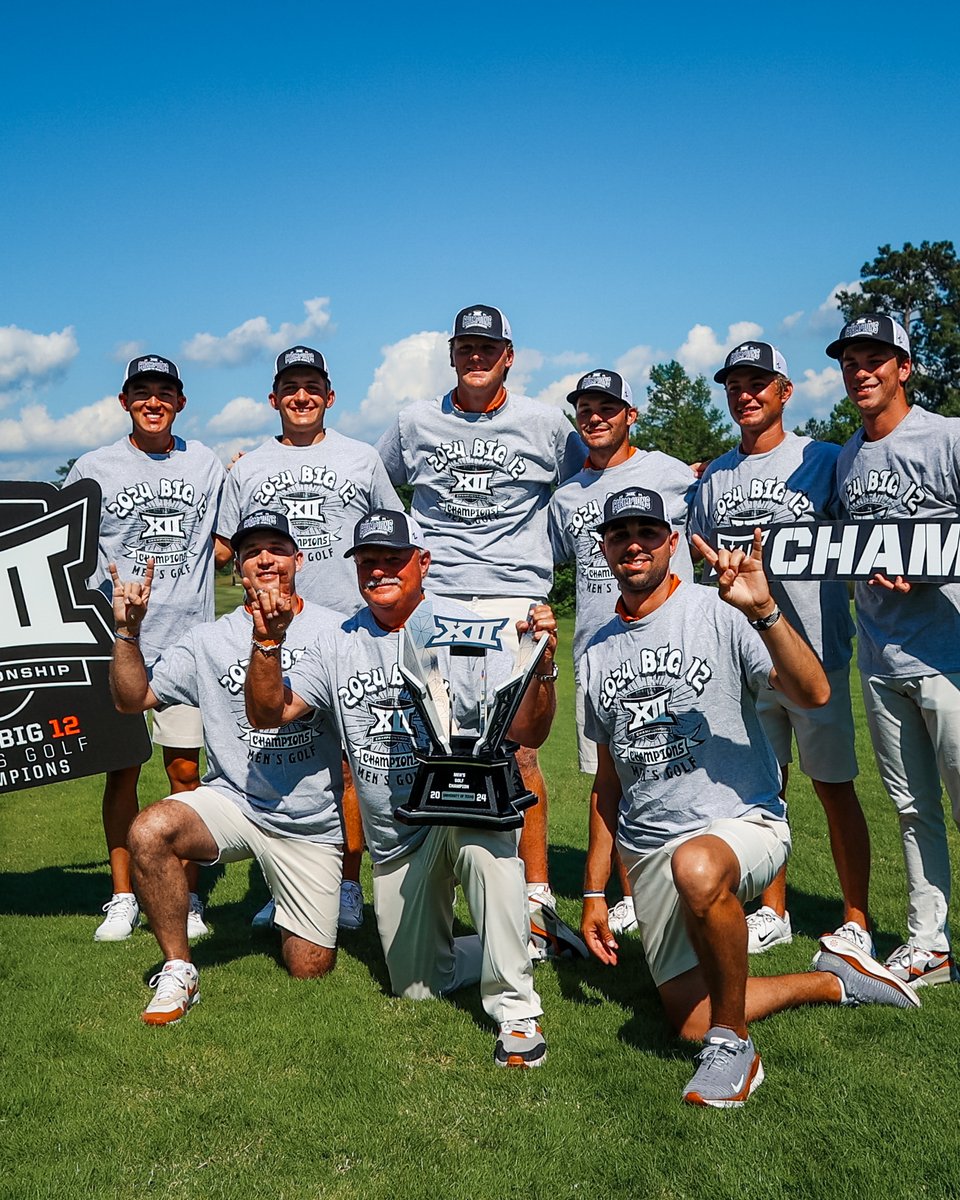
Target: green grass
[286, 1091]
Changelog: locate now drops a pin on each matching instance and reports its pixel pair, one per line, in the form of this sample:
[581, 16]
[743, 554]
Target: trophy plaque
[468, 775]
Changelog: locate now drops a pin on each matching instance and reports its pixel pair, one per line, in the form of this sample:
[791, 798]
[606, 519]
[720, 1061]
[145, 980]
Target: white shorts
[586, 750]
[825, 736]
[178, 727]
[303, 877]
[762, 846]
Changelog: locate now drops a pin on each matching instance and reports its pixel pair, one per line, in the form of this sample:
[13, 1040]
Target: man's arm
[129, 686]
[539, 704]
[604, 805]
[797, 672]
[269, 703]
[222, 550]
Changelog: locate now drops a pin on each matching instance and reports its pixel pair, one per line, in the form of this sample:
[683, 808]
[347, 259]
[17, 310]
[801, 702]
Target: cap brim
[722, 374]
[605, 525]
[386, 545]
[238, 538]
[478, 333]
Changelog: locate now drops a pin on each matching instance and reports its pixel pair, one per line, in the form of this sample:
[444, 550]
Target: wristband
[126, 637]
[266, 648]
[762, 624]
[549, 678]
[594, 895]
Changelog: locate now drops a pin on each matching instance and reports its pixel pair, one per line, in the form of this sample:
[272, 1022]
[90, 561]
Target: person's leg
[183, 773]
[849, 845]
[178, 731]
[533, 839]
[304, 959]
[908, 767]
[304, 877]
[352, 828]
[120, 807]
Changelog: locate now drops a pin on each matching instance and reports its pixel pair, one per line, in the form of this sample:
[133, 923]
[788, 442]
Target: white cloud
[26, 356]
[248, 340]
[231, 447]
[414, 368]
[242, 415]
[635, 366]
[792, 320]
[124, 351]
[570, 358]
[556, 393]
[703, 351]
[86, 427]
[828, 318]
[818, 391]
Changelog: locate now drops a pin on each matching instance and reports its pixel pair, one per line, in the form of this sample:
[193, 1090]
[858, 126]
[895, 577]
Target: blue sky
[628, 184]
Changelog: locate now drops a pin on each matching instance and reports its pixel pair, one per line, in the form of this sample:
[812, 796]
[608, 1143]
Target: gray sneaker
[520, 1044]
[552, 938]
[264, 918]
[862, 979]
[728, 1071]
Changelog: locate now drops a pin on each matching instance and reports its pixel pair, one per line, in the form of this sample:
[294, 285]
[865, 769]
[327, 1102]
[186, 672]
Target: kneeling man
[273, 795]
[353, 675]
[671, 685]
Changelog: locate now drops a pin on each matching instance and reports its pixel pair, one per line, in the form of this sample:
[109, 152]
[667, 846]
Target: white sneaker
[766, 929]
[351, 905]
[264, 918]
[539, 894]
[123, 916]
[177, 990]
[196, 925]
[622, 917]
[854, 932]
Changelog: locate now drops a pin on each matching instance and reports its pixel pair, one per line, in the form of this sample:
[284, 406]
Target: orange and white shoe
[728, 1071]
[178, 989]
[520, 1044]
[922, 968]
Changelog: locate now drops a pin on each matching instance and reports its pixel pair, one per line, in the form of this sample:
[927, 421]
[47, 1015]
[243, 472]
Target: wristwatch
[762, 624]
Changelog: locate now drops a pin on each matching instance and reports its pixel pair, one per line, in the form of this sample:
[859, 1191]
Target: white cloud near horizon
[818, 391]
[242, 415]
[704, 352]
[92, 425]
[635, 366]
[828, 317]
[26, 356]
[246, 341]
[124, 351]
[415, 368]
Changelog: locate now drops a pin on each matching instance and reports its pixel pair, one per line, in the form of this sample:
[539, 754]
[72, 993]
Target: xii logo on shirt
[314, 501]
[470, 473]
[382, 725]
[160, 523]
[582, 527]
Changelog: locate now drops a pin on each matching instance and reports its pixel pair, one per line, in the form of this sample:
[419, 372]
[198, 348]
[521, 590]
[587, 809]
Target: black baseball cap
[151, 364]
[607, 383]
[256, 521]
[871, 327]
[482, 320]
[386, 527]
[301, 356]
[762, 356]
[633, 502]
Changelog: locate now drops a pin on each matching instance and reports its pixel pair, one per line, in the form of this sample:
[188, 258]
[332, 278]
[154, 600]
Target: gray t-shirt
[162, 506]
[793, 483]
[353, 673]
[673, 696]
[912, 474]
[481, 486]
[576, 509]
[323, 490]
[287, 781]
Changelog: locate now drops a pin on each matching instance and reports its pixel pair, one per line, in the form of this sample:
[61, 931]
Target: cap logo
[376, 525]
[745, 354]
[478, 319]
[868, 328]
[299, 356]
[266, 518]
[598, 379]
[153, 364]
[634, 500]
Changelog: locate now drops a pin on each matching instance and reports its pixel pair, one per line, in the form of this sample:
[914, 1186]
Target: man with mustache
[353, 675]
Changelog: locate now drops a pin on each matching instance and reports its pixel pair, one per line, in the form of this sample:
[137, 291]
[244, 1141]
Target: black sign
[57, 720]
[920, 551]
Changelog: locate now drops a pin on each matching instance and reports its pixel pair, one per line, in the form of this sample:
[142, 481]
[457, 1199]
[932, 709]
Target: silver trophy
[468, 775]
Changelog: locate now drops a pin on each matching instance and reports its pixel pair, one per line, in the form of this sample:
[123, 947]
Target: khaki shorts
[178, 727]
[762, 846]
[825, 736]
[303, 877]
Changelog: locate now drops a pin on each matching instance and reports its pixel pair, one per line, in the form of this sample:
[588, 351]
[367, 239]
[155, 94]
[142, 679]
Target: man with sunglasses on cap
[689, 787]
[322, 482]
[904, 464]
[353, 674]
[483, 461]
[776, 477]
[269, 794]
[160, 498]
[605, 415]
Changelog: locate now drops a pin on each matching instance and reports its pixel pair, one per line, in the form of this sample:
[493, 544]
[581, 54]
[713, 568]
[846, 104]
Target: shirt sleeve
[390, 449]
[592, 726]
[572, 453]
[382, 492]
[228, 518]
[311, 677]
[173, 677]
[558, 544]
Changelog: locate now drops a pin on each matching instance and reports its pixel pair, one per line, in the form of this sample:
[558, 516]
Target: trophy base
[459, 789]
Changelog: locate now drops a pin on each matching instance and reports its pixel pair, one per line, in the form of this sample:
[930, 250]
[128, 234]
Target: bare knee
[701, 876]
[307, 960]
[169, 827]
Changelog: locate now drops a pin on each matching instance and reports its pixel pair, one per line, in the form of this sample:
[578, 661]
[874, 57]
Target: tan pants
[413, 899]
